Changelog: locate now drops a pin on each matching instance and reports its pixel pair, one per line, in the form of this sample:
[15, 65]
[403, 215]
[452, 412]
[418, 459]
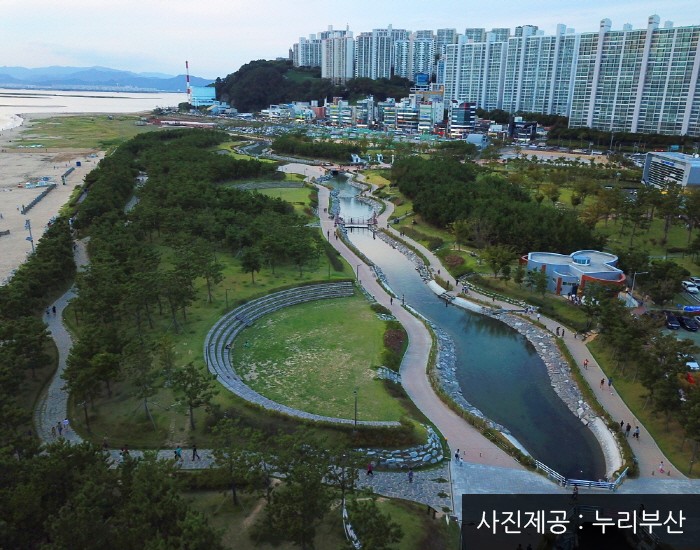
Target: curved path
[52, 407]
[459, 433]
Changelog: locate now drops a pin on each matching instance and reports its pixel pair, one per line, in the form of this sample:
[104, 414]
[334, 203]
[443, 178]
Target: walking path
[486, 469]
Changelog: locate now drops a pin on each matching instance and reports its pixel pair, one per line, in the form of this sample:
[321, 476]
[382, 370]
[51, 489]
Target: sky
[218, 36]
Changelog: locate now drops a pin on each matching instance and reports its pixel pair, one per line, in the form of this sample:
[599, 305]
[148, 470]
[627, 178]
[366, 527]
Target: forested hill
[259, 84]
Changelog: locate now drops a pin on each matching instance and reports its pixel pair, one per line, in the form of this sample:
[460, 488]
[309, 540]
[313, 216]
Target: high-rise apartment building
[307, 52]
[638, 80]
[474, 35]
[444, 38]
[337, 56]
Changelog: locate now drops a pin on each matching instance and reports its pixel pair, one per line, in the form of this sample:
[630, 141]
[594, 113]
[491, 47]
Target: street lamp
[28, 227]
[355, 393]
[634, 277]
[357, 271]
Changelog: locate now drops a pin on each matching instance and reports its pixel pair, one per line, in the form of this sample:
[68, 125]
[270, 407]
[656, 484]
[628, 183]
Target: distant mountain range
[94, 78]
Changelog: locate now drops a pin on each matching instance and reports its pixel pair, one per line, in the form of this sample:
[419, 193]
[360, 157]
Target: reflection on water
[498, 370]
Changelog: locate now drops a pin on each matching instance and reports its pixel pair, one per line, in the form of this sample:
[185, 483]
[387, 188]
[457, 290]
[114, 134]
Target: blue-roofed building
[569, 274]
[662, 169]
[202, 96]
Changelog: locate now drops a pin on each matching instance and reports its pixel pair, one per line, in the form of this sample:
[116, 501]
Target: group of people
[370, 472]
[627, 429]
[60, 428]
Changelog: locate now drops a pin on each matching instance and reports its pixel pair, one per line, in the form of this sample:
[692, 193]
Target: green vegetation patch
[83, 132]
[313, 356]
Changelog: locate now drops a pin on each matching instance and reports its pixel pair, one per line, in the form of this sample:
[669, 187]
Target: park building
[662, 169]
[567, 275]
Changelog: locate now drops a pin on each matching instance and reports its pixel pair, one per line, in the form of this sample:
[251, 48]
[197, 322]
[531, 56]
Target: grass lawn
[668, 437]
[376, 177]
[122, 419]
[82, 132]
[420, 530]
[651, 240]
[297, 196]
[312, 356]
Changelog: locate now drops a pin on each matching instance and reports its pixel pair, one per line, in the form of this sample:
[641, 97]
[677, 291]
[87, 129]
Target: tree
[591, 303]
[497, 257]
[690, 415]
[251, 261]
[664, 280]
[519, 275]
[196, 385]
[374, 529]
[298, 505]
[241, 465]
[536, 280]
[461, 229]
[138, 363]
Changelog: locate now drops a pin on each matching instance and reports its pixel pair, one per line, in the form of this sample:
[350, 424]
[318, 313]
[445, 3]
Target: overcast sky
[218, 36]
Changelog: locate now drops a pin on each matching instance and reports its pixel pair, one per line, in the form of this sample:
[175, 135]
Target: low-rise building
[570, 274]
[662, 169]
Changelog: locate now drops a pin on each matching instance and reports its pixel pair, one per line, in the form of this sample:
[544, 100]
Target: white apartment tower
[337, 56]
[307, 52]
[638, 80]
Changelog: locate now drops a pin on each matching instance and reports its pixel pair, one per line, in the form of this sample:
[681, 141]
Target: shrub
[453, 260]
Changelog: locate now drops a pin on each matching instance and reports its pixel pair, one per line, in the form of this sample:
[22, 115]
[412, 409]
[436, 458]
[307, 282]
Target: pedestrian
[53, 432]
[105, 444]
[370, 469]
[557, 331]
[585, 363]
[410, 475]
[59, 427]
[195, 455]
[66, 424]
[562, 333]
[622, 425]
[538, 317]
[53, 310]
[602, 383]
[574, 495]
[661, 467]
[178, 453]
[457, 454]
[48, 312]
[124, 451]
[636, 432]
[391, 300]
[610, 382]
[628, 428]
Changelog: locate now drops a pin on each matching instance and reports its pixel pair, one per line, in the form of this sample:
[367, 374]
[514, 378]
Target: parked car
[688, 323]
[671, 321]
[690, 287]
[694, 280]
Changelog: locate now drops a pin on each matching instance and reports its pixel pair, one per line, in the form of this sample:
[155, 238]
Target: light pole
[355, 393]
[28, 227]
[634, 277]
[357, 271]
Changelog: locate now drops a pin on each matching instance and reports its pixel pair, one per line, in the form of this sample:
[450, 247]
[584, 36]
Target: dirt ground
[19, 166]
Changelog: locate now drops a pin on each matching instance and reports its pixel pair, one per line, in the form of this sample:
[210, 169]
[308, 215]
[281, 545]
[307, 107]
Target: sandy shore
[17, 167]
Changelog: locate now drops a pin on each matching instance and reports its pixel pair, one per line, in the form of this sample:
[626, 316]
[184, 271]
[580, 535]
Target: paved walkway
[459, 433]
[646, 450]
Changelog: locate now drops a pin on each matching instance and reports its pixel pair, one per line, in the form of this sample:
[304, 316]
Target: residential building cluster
[628, 80]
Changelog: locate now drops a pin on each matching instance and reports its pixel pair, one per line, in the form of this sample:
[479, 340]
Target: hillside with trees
[259, 84]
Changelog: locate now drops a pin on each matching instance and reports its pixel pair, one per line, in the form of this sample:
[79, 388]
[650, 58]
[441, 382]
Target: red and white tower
[187, 75]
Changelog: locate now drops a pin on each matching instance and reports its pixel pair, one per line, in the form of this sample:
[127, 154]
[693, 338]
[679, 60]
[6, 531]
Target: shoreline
[22, 165]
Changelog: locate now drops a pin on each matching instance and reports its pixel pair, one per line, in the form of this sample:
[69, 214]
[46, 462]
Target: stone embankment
[421, 455]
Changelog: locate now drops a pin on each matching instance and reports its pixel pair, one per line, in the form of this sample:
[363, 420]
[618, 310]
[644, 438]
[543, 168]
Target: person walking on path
[53, 432]
[59, 427]
[410, 475]
[636, 432]
[602, 383]
[628, 428]
[53, 310]
[178, 454]
[66, 424]
[195, 454]
[610, 385]
[622, 425]
[585, 363]
[370, 470]
[661, 467]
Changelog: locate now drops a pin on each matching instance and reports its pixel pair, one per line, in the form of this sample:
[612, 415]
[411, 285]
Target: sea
[14, 103]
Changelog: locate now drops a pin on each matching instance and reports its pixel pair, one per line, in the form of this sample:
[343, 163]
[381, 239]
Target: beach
[21, 165]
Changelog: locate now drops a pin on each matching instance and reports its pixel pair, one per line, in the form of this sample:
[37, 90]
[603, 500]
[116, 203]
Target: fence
[34, 202]
[585, 483]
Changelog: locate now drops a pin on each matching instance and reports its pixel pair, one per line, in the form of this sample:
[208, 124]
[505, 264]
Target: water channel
[498, 370]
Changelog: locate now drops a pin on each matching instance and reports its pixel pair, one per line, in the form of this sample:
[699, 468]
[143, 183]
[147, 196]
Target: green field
[296, 196]
[99, 132]
[312, 356]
